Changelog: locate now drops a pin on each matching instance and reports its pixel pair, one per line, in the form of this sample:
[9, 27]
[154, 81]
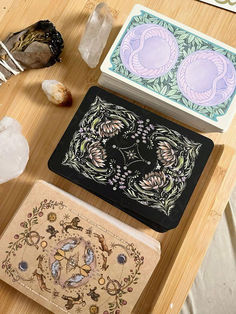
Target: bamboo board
[43, 124]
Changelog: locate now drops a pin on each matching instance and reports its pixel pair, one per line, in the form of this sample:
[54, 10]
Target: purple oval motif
[149, 50]
[206, 78]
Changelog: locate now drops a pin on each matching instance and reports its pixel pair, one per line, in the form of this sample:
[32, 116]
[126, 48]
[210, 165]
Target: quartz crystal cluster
[14, 150]
[96, 33]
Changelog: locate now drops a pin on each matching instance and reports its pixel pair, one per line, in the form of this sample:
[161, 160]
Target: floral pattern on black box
[171, 156]
[141, 163]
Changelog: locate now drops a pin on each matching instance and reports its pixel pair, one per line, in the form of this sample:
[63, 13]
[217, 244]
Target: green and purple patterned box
[169, 60]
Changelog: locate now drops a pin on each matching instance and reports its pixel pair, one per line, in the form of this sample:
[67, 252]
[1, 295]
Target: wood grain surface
[43, 124]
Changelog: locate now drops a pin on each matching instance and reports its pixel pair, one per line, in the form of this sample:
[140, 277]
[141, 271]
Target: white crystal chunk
[14, 150]
[96, 33]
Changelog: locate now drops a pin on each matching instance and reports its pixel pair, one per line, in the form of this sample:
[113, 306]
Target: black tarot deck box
[139, 162]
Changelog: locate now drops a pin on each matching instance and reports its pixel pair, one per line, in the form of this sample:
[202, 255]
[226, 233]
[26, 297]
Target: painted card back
[175, 63]
[59, 254]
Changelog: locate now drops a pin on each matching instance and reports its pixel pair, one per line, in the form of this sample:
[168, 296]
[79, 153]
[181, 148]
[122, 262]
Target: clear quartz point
[14, 150]
[96, 33]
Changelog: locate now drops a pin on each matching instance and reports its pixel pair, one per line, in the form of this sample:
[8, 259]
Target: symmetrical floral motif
[108, 130]
[166, 85]
[131, 154]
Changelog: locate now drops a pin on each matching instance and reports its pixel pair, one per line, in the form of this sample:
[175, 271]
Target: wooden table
[43, 124]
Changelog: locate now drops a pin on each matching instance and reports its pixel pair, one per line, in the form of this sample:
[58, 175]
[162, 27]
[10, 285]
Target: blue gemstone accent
[23, 266]
[121, 258]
